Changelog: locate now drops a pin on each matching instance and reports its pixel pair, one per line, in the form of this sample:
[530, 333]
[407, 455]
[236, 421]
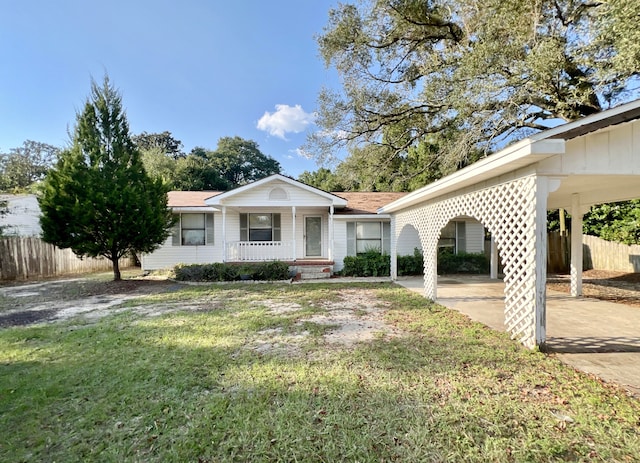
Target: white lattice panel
[508, 211]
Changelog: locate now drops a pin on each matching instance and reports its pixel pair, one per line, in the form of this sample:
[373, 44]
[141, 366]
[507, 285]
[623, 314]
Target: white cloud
[286, 119]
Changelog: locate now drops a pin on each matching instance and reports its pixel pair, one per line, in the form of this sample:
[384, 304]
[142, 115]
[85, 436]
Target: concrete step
[314, 272]
[314, 275]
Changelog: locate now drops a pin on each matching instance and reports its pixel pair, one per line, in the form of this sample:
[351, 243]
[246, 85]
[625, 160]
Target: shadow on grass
[189, 387]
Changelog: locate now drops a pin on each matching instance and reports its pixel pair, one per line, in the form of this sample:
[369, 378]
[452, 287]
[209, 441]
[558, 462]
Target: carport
[574, 166]
[598, 337]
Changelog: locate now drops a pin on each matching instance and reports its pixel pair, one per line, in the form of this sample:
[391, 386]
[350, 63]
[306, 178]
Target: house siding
[407, 243]
[475, 236]
[260, 196]
[168, 255]
[340, 243]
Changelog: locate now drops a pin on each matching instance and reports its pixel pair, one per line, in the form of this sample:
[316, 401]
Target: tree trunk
[116, 269]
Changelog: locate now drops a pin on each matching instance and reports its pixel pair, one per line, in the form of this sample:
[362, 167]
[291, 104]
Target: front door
[313, 236]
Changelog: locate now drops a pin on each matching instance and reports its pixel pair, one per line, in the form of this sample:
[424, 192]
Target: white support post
[394, 250]
[330, 254]
[224, 233]
[295, 251]
[494, 259]
[432, 274]
[540, 245]
[576, 246]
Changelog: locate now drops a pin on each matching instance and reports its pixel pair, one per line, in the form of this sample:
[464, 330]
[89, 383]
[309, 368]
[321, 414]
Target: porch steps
[314, 272]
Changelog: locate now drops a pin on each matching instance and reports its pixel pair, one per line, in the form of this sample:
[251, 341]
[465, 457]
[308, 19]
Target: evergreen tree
[98, 200]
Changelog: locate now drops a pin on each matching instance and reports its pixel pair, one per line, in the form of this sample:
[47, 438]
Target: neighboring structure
[278, 218]
[23, 217]
[574, 166]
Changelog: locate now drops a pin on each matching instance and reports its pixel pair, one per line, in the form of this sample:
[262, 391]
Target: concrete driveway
[598, 337]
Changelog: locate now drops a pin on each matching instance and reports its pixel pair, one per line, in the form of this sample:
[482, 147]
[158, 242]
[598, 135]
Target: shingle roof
[366, 202]
[357, 202]
[189, 198]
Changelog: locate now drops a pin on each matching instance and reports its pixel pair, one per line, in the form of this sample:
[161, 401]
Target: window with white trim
[193, 229]
[454, 237]
[260, 227]
[363, 236]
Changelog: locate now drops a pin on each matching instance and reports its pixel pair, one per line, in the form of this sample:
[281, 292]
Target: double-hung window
[260, 227]
[367, 236]
[193, 229]
[453, 237]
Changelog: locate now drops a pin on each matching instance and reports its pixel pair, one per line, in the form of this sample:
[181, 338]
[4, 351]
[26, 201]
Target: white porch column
[494, 259]
[394, 250]
[330, 254]
[544, 186]
[293, 213]
[542, 193]
[576, 246]
[224, 233]
[431, 272]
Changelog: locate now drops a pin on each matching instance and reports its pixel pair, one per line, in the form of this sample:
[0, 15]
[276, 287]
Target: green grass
[191, 387]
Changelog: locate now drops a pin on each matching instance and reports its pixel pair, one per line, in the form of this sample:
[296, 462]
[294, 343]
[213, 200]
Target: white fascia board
[194, 209]
[513, 157]
[219, 199]
[600, 116]
[347, 217]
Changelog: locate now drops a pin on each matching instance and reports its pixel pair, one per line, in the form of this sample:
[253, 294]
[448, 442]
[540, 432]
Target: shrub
[218, 271]
[367, 264]
[188, 272]
[275, 270]
[463, 262]
[411, 264]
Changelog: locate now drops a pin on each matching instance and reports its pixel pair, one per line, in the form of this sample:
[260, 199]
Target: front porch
[260, 251]
[300, 269]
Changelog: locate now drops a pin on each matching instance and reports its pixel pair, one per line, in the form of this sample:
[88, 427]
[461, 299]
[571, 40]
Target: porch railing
[256, 251]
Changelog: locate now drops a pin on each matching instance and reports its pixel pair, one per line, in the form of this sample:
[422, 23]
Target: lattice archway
[509, 211]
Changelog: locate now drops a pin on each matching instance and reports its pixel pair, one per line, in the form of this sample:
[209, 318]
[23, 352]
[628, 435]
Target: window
[368, 236]
[453, 237]
[193, 230]
[365, 236]
[260, 227]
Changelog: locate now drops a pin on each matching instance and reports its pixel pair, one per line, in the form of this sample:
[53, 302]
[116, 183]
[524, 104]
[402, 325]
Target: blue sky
[199, 69]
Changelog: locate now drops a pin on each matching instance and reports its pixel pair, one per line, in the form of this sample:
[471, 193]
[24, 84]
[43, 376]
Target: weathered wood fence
[596, 254]
[607, 255]
[24, 258]
[558, 252]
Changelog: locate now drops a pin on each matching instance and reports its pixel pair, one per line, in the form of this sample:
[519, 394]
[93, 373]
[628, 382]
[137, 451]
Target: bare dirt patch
[59, 300]
[355, 315]
[358, 315]
[606, 285]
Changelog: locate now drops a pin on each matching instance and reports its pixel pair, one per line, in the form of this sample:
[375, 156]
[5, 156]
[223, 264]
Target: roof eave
[194, 209]
[219, 199]
[516, 156]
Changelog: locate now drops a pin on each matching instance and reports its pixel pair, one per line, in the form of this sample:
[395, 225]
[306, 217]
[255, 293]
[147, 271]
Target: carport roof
[518, 155]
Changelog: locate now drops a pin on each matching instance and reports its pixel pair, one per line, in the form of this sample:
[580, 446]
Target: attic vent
[278, 194]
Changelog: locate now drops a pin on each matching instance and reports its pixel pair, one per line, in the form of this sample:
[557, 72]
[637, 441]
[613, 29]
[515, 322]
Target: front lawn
[309, 373]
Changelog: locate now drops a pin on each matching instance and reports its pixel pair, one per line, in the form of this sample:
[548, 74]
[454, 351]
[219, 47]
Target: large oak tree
[468, 76]
[98, 199]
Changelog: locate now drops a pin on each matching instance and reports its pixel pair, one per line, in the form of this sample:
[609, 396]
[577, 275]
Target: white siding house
[23, 215]
[278, 218]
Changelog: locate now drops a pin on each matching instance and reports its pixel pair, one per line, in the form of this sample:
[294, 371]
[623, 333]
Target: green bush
[275, 270]
[218, 271]
[463, 262]
[367, 264]
[411, 264]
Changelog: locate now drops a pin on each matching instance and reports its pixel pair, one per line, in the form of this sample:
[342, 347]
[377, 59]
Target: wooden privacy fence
[597, 254]
[608, 255]
[29, 257]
